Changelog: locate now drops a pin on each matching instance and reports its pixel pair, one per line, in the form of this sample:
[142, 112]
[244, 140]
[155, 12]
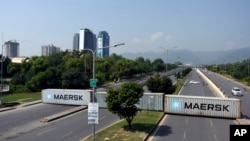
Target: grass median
[17, 98]
[142, 124]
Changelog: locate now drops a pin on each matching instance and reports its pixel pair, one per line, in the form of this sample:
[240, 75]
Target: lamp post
[166, 49]
[1, 95]
[93, 78]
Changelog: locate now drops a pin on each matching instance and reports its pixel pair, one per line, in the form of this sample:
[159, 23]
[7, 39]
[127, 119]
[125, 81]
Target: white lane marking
[64, 136]
[184, 136]
[215, 137]
[211, 123]
[46, 131]
[102, 117]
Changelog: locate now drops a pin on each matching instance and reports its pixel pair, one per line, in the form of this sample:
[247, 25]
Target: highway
[24, 123]
[226, 85]
[193, 128]
[70, 128]
[10, 120]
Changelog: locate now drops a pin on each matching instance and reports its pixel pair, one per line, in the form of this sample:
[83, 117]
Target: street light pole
[1, 74]
[166, 49]
[93, 93]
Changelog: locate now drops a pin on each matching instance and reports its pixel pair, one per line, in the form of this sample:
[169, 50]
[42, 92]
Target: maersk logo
[49, 96]
[176, 105]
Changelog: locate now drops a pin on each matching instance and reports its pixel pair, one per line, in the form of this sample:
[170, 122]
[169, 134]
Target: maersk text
[204, 106]
[68, 97]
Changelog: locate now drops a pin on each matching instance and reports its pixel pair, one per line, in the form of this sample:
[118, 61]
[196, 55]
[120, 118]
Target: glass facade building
[87, 39]
[102, 42]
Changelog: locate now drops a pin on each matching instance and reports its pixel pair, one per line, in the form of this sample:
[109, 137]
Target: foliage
[160, 84]
[122, 101]
[72, 70]
[238, 70]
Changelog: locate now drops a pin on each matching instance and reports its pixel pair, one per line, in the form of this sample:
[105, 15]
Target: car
[194, 82]
[236, 91]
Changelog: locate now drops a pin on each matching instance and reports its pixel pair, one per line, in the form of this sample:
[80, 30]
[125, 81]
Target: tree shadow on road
[164, 130]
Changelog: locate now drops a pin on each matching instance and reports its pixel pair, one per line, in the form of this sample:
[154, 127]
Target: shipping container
[203, 106]
[151, 101]
[100, 96]
[66, 96]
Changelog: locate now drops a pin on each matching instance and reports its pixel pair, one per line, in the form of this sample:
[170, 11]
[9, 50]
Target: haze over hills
[195, 57]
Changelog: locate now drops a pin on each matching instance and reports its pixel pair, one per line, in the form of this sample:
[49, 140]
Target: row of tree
[122, 101]
[73, 70]
[238, 70]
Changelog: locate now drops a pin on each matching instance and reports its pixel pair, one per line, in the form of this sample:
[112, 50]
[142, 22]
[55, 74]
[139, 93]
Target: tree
[122, 101]
[160, 84]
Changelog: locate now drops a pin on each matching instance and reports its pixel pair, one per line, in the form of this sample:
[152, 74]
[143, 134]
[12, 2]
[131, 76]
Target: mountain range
[187, 56]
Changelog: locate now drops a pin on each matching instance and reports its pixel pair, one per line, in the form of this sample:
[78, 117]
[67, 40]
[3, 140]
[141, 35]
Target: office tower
[49, 49]
[11, 49]
[87, 40]
[102, 42]
[76, 41]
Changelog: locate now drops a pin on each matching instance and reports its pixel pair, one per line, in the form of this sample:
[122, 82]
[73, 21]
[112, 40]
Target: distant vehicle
[194, 82]
[236, 91]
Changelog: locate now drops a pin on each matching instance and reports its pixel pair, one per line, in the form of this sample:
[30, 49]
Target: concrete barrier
[216, 89]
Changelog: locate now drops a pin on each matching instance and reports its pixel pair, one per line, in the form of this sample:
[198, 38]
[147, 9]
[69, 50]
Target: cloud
[156, 36]
[230, 45]
[137, 40]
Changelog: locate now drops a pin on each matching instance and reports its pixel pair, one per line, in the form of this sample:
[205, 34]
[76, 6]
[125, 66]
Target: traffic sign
[93, 82]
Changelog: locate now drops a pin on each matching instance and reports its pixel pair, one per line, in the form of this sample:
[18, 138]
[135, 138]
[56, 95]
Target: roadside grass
[179, 85]
[142, 124]
[243, 82]
[22, 97]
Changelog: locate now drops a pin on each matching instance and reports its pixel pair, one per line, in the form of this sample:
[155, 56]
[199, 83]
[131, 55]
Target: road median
[63, 114]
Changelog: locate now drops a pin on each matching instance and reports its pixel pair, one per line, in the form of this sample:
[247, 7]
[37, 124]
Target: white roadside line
[60, 138]
[45, 131]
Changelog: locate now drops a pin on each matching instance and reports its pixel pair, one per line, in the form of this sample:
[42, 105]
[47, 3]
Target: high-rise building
[103, 41]
[49, 49]
[11, 49]
[87, 39]
[76, 41]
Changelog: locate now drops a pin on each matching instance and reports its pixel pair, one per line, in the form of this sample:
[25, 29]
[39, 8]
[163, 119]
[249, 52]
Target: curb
[62, 114]
[31, 103]
[151, 132]
[6, 109]
[243, 121]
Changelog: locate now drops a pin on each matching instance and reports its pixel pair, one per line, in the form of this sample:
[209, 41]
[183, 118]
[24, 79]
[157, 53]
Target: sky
[143, 25]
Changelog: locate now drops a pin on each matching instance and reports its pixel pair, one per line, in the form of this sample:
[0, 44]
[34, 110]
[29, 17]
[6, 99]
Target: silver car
[236, 91]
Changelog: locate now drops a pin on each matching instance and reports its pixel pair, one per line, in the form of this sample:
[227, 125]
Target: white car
[194, 82]
[236, 91]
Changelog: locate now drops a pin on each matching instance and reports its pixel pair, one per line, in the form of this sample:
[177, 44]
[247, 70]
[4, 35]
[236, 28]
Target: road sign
[93, 113]
[92, 82]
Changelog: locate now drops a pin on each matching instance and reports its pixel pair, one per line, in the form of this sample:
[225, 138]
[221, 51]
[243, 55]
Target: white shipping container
[203, 106]
[66, 96]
